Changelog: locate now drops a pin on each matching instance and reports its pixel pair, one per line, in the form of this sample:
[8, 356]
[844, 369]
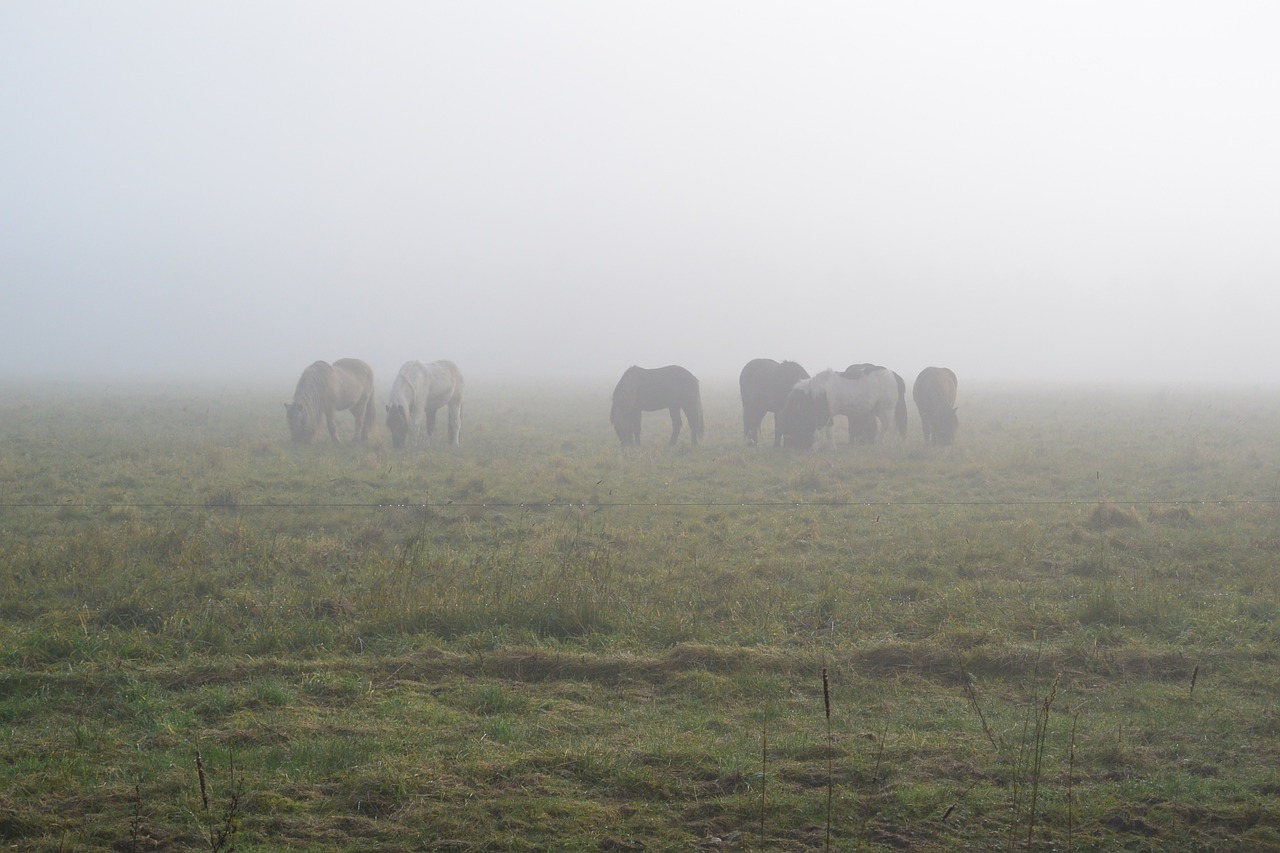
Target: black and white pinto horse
[418, 391]
[764, 384]
[873, 399]
[648, 390]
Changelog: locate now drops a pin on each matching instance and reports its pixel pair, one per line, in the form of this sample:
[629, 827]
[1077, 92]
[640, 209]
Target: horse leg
[635, 427]
[328, 420]
[430, 417]
[455, 423]
[884, 422]
[675, 424]
[361, 412]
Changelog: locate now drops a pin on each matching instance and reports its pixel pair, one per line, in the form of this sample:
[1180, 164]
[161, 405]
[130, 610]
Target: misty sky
[1060, 190]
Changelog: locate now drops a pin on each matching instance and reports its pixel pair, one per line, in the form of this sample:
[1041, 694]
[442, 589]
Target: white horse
[872, 398]
[418, 391]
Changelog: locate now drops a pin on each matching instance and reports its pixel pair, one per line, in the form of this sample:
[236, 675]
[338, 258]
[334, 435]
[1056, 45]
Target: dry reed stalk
[1071, 776]
[764, 771]
[875, 779]
[135, 824]
[971, 693]
[1039, 740]
[204, 790]
[826, 704]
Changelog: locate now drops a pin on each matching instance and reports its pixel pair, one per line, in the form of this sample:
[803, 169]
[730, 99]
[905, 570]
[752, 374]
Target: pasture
[1060, 633]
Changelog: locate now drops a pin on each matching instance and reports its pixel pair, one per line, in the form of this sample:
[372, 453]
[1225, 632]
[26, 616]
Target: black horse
[647, 390]
[764, 384]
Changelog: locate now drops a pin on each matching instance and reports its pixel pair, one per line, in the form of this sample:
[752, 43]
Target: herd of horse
[872, 398]
[418, 392]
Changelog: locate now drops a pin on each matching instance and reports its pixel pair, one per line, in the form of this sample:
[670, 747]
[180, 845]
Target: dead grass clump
[1177, 515]
[1193, 458]
[215, 458]
[225, 498]
[337, 608]
[1154, 664]
[707, 657]
[974, 474]
[923, 659]
[1106, 515]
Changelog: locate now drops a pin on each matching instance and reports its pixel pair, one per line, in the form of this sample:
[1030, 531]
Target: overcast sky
[1060, 190]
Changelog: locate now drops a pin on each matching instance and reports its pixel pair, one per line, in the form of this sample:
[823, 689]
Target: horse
[327, 388]
[764, 384]
[865, 394]
[647, 390]
[418, 391]
[868, 426]
[935, 395]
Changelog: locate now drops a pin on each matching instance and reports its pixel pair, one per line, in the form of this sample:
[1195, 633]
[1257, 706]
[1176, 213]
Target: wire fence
[566, 504]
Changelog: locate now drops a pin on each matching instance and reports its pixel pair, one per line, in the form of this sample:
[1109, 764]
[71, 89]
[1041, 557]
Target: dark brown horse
[764, 384]
[648, 390]
[935, 395]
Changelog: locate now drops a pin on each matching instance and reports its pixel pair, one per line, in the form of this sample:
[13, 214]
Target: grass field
[1059, 634]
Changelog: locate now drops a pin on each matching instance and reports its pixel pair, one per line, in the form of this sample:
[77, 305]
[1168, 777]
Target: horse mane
[310, 397]
[314, 385]
[900, 410]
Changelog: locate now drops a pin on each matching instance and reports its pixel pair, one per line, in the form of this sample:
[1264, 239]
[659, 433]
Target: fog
[1020, 191]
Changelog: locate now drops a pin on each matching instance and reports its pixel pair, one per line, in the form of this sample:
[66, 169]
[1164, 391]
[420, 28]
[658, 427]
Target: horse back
[352, 383]
[446, 383]
[664, 387]
[935, 386]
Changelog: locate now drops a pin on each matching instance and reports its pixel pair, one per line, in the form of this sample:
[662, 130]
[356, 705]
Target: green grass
[1061, 631]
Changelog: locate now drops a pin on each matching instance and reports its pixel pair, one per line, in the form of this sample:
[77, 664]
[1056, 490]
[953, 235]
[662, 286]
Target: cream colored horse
[418, 391]
[326, 388]
[870, 397]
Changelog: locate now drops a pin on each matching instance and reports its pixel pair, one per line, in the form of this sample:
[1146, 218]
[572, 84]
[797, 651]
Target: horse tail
[900, 411]
[695, 412]
[370, 415]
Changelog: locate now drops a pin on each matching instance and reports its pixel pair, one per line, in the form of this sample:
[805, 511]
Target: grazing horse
[869, 432]
[865, 394]
[418, 391]
[648, 390]
[326, 388]
[764, 384]
[935, 395]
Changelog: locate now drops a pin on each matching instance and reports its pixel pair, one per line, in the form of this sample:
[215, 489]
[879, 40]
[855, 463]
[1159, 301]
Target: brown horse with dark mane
[935, 395]
[326, 388]
[764, 384]
[647, 390]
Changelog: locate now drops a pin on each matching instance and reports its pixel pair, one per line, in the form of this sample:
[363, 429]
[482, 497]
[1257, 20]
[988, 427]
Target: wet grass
[1058, 634]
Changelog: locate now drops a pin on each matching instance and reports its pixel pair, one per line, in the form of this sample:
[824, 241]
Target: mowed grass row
[1059, 633]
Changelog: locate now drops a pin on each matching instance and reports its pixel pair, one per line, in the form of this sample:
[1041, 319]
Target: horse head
[947, 423]
[301, 424]
[397, 424]
[803, 413]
